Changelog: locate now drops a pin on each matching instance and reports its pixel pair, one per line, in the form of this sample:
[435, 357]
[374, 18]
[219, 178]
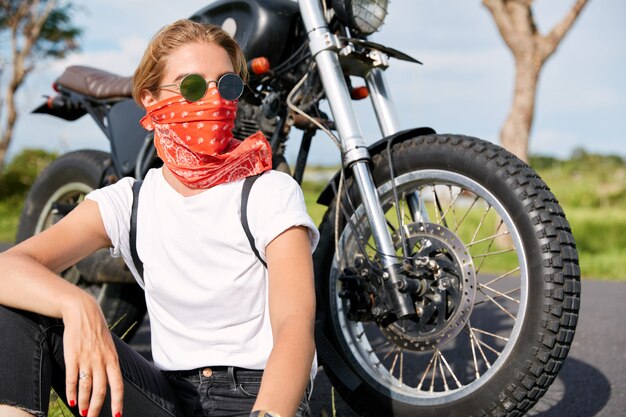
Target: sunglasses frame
[194, 78]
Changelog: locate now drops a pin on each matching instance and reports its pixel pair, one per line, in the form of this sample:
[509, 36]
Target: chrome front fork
[324, 46]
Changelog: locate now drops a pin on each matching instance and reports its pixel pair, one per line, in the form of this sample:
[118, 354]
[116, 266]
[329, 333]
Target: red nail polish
[83, 413]
[72, 403]
[118, 414]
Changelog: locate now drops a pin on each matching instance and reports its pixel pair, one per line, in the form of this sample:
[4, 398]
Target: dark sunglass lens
[230, 86]
[193, 87]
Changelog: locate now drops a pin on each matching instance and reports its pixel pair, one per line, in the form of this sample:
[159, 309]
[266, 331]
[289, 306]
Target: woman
[230, 337]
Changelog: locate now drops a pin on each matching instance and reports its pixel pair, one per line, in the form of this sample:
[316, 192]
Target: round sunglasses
[193, 87]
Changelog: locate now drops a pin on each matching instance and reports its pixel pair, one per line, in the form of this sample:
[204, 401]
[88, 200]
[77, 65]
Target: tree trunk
[7, 133]
[516, 23]
[19, 73]
[25, 23]
[516, 128]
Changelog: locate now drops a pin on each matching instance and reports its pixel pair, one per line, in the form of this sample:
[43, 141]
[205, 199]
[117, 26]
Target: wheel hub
[441, 259]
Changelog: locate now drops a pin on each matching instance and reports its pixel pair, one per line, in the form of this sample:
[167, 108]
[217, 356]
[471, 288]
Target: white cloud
[120, 58]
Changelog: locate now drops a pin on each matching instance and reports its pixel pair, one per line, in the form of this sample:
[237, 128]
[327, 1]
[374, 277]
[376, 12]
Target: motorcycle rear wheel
[67, 181]
[499, 235]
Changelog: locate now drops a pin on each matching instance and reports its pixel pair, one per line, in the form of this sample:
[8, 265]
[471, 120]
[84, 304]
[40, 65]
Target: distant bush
[585, 180]
[20, 174]
[543, 161]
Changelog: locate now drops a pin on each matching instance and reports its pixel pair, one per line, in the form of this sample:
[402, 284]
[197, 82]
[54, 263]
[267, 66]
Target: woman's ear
[147, 99]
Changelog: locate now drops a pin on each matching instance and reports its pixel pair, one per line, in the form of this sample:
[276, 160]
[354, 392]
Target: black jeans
[31, 362]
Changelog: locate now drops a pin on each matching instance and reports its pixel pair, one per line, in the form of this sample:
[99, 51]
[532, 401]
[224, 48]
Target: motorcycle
[447, 275]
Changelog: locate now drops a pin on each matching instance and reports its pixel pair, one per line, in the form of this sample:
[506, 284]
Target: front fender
[327, 195]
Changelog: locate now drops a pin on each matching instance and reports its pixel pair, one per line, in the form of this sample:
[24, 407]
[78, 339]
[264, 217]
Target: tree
[38, 29]
[530, 49]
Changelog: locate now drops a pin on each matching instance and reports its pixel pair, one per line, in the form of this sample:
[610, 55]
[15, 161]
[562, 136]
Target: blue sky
[463, 87]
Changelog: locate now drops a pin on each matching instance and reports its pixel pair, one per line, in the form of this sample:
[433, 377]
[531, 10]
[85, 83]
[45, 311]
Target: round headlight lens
[363, 16]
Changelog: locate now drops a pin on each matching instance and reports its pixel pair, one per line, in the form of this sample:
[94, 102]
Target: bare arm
[292, 313]
[28, 281]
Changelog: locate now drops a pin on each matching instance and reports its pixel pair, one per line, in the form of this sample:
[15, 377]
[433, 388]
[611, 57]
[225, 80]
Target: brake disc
[443, 310]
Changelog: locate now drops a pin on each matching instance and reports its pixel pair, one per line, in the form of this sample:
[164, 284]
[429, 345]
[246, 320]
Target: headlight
[363, 16]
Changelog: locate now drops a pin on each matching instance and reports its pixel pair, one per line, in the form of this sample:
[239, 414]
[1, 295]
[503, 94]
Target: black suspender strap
[245, 193]
[133, 229]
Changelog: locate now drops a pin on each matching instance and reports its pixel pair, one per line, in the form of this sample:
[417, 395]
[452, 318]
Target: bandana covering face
[195, 141]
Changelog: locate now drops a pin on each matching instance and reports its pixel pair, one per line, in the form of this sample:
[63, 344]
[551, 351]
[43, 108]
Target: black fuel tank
[261, 27]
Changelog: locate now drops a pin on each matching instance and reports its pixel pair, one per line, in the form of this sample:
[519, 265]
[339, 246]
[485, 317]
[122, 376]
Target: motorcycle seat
[95, 83]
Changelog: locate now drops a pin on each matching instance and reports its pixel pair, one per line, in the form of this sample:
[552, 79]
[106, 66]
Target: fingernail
[118, 414]
[72, 403]
[83, 413]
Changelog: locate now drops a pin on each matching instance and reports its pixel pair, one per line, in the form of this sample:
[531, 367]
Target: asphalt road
[592, 381]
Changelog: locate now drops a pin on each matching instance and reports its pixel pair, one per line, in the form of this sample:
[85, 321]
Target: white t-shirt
[206, 291]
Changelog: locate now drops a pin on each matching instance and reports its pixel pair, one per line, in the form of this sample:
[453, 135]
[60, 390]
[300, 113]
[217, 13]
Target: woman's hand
[90, 358]
[28, 282]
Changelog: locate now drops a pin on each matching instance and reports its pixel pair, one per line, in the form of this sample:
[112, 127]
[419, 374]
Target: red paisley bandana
[195, 141]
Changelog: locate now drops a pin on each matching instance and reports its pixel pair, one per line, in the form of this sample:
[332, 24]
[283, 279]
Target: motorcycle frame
[324, 47]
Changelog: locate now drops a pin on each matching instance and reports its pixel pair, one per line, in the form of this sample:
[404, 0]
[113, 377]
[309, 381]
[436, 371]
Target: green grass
[57, 407]
[600, 235]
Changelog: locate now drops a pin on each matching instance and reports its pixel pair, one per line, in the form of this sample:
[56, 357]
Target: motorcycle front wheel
[497, 262]
[59, 188]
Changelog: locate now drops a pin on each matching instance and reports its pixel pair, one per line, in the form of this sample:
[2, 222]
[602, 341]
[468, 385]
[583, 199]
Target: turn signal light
[260, 65]
[359, 93]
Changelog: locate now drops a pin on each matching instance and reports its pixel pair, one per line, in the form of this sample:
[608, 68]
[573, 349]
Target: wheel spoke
[497, 296]
[488, 347]
[475, 340]
[438, 210]
[382, 346]
[450, 207]
[401, 365]
[453, 205]
[498, 304]
[487, 238]
[456, 380]
[466, 213]
[430, 363]
[480, 223]
[390, 352]
[482, 261]
[506, 274]
[393, 365]
[498, 252]
[471, 335]
[500, 294]
[475, 329]
[432, 379]
[443, 375]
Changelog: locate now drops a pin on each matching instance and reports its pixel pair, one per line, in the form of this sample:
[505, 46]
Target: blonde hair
[149, 73]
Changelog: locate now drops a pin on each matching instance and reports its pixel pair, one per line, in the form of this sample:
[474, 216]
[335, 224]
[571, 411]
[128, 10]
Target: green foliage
[586, 179]
[312, 190]
[20, 174]
[58, 36]
[15, 181]
[10, 209]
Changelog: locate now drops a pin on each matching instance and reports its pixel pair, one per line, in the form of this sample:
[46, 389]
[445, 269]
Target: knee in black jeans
[30, 348]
